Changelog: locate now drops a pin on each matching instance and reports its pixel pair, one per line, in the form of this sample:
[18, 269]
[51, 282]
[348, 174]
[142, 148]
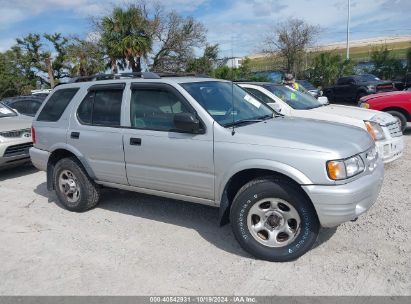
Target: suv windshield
[227, 103]
[6, 112]
[295, 99]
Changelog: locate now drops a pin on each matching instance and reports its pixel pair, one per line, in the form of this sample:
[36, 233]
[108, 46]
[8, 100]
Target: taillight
[33, 135]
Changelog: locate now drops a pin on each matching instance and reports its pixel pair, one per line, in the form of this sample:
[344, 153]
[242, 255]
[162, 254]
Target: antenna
[232, 85]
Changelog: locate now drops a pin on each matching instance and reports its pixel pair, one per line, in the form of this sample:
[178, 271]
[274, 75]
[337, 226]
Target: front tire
[273, 220]
[74, 188]
[401, 118]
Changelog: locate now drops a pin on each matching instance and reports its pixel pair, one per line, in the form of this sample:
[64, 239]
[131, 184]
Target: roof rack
[166, 74]
[144, 75]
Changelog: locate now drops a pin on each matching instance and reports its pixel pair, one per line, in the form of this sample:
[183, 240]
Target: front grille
[15, 133]
[22, 149]
[395, 129]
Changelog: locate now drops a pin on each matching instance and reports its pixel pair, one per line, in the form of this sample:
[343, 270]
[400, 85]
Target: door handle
[135, 141]
[75, 135]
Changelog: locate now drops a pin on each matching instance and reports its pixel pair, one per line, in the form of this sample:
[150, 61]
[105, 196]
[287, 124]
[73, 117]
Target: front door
[157, 156]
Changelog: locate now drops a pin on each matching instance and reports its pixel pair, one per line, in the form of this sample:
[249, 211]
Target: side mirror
[323, 100]
[187, 122]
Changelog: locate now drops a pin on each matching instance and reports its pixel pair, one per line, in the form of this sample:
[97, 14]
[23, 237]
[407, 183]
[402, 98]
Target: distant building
[233, 62]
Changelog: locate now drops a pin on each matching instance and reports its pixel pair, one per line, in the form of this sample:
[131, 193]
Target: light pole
[348, 29]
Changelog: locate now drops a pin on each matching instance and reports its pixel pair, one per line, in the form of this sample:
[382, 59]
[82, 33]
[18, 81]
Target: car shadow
[201, 218]
[18, 171]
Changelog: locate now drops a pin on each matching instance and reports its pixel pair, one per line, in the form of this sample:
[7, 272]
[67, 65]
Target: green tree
[327, 67]
[13, 81]
[385, 65]
[85, 57]
[176, 36]
[409, 59]
[34, 56]
[126, 34]
[206, 63]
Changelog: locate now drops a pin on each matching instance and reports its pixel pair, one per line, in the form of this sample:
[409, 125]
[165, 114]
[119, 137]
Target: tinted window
[85, 109]
[343, 81]
[56, 104]
[264, 98]
[20, 106]
[107, 108]
[101, 107]
[154, 109]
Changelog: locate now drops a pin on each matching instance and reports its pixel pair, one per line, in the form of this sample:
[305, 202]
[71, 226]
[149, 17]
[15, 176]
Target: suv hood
[354, 113]
[15, 123]
[340, 140]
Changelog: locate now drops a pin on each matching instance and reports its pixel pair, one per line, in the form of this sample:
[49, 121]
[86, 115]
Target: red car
[398, 104]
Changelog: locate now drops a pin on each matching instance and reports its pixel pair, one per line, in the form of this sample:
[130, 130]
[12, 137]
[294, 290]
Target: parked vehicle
[310, 88]
[15, 138]
[25, 105]
[403, 83]
[352, 88]
[398, 104]
[206, 141]
[382, 127]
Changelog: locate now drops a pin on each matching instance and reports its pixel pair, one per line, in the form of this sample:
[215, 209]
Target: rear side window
[56, 105]
[101, 108]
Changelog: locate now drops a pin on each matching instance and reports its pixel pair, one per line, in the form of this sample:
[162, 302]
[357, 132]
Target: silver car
[15, 137]
[202, 140]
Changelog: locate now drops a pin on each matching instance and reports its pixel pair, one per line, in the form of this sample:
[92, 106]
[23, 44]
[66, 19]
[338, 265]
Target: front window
[369, 77]
[227, 103]
[6, 112]
[295, 99]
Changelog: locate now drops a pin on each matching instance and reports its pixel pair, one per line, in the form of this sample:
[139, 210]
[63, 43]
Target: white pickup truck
[383, 127]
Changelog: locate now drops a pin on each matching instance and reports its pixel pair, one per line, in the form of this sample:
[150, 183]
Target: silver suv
[202, 140]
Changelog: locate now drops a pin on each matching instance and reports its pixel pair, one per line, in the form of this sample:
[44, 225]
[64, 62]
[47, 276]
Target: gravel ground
[134, 244]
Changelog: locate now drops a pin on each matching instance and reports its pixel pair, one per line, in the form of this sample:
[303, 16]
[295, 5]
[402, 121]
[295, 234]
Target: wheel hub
[274, 220]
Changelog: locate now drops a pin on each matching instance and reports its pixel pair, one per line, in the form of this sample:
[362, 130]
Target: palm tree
[126, 35]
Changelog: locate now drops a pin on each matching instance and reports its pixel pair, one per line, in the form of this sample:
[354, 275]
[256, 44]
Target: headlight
[365, 105]
[371, 88]
[375, 130]
[343, 169]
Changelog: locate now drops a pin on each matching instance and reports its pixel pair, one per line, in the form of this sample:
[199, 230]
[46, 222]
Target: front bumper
[390, 149]
[14, 152]
[336, 204]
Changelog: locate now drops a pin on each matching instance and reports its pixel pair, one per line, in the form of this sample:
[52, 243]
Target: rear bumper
[337, 204]
[39, 158]
[390, 149]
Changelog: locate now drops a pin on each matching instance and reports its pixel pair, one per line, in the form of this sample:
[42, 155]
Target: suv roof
[29, 97]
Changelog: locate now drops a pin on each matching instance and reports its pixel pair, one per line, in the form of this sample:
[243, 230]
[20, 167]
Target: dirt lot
[134, 244]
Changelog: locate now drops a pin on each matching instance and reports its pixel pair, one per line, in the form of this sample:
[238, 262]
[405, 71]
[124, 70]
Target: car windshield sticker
[253, 101]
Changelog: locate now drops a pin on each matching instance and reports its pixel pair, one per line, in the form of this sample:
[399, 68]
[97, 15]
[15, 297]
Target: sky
[239, 26]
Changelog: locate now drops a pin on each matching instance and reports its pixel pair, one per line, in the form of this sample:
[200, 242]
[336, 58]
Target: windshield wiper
[242, 122]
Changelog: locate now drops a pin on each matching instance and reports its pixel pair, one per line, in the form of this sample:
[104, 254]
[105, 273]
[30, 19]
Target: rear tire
[74, 188]
[401, 118]
[273, 220]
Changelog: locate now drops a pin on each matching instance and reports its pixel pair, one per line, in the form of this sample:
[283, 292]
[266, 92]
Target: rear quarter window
[57, 103]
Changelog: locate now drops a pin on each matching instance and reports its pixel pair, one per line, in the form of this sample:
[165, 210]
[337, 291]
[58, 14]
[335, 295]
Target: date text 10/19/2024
[205, 299]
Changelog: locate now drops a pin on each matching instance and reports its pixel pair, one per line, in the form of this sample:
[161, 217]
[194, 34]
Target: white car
[383, 127]
[15, 137]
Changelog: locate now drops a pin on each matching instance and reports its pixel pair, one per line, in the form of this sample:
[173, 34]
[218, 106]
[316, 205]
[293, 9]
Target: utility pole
[348, 29]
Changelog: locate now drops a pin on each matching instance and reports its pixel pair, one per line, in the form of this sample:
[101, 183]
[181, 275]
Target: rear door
[157, 156]
[95, 131]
